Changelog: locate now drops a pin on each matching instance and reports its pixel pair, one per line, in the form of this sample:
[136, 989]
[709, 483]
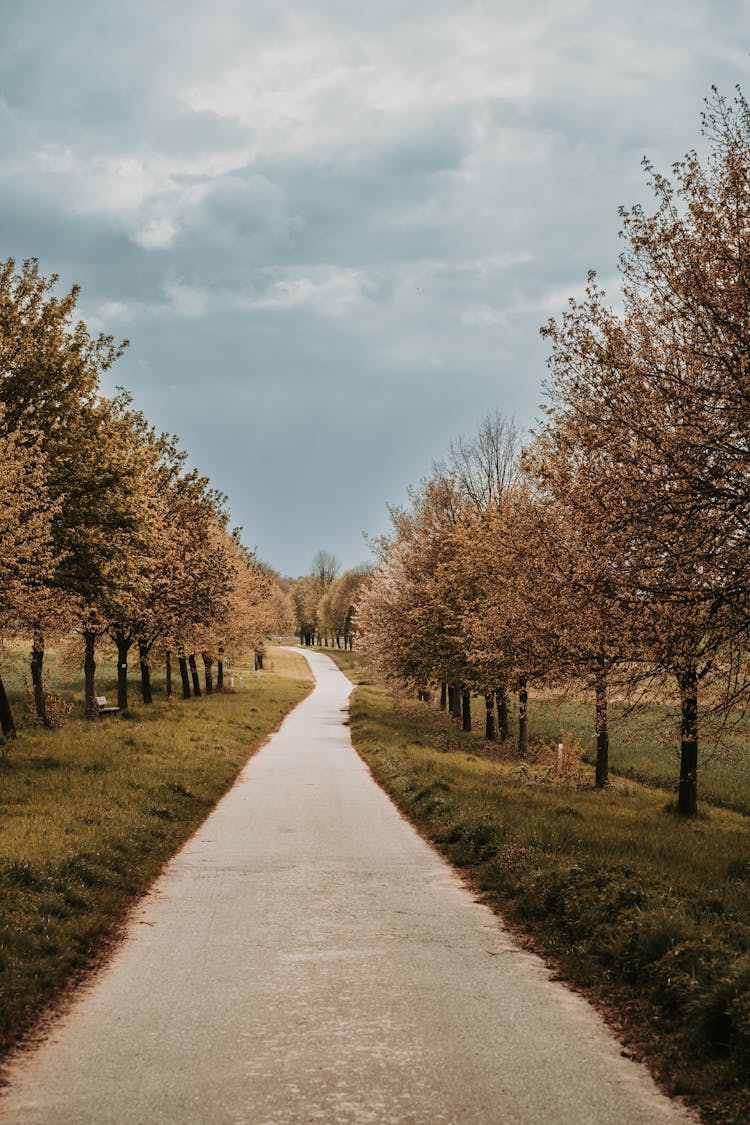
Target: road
[307, 957]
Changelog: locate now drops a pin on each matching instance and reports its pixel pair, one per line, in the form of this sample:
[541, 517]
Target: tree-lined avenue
[308, 957]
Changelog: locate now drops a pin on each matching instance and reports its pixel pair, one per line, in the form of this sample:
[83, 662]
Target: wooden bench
[103, 708]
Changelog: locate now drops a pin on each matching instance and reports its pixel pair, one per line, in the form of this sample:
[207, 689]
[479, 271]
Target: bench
[102, 707]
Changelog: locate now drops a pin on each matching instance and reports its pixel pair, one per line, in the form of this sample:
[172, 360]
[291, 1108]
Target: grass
[89, 814]
[646, 913]
[644, 745]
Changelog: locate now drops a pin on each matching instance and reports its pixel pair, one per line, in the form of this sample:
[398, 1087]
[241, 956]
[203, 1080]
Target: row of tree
[615, 545]
[323, 602]
[105, 531]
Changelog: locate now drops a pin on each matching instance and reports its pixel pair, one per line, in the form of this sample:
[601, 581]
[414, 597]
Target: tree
[430, 577]
[484, 467]
[257, 608]
[343, 597]
[409, 612]
[110, 540]
[26, 550]
[325, 567]
[205, 599]
[305, 600]
[687, 294]
[310, 594]
[657, 398]
[50, 367]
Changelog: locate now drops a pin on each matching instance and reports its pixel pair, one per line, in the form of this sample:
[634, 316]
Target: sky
[332, 231]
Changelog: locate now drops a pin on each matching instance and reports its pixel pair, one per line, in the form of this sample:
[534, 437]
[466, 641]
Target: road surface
[307, 957]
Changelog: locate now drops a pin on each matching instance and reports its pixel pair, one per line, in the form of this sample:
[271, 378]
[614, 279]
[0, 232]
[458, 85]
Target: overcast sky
[331, 231]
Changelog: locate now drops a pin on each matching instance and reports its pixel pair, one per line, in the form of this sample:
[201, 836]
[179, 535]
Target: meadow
[645, 744]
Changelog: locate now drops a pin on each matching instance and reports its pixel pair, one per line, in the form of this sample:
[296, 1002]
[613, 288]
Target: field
[90, 812]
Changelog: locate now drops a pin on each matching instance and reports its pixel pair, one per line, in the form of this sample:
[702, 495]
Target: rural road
[308, 958]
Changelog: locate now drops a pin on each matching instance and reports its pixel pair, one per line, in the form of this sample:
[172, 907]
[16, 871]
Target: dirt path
[308, 958]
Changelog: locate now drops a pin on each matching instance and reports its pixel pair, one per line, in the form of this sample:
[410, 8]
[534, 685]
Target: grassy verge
[644, 745]
[644, 741]
[645, 913]
[91, 812]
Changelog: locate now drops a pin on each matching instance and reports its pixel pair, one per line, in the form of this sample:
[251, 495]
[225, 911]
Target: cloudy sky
[331, 231]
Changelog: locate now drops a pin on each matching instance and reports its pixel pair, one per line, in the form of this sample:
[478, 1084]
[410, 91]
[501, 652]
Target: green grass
[89, 813]
[647, 913]
[644, 740]
[63, 675]
[644, 745]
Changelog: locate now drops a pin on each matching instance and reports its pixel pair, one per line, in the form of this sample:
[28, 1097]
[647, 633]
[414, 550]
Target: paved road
[308, 958]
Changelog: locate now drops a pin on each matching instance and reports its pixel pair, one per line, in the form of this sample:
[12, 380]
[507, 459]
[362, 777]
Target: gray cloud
[332, 231]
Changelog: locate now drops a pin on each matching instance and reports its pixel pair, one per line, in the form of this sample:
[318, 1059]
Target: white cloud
[316, 87]
[326, 291]
[483, 316]
[116, 311]
[156, 234]
[186, 300]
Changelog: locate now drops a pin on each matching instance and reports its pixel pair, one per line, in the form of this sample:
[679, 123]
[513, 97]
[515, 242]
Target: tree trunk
[194, 675]
[466, 709]
[503, 718]
[143, 655]
[37, 678]
[6, 715]
[687, 794]
[168, 672]
[456, 708]
[89, 671]
[123, 647]
[443, 695]
[208, 666]
[220, 671]
[489, 721]
[451, 699]
[258, 661]
[182, 659]
[602, 732]
[523, 718]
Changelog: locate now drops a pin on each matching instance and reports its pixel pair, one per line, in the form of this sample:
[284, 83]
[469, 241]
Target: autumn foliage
[105, 530]
[323, 602]
[614, 547]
